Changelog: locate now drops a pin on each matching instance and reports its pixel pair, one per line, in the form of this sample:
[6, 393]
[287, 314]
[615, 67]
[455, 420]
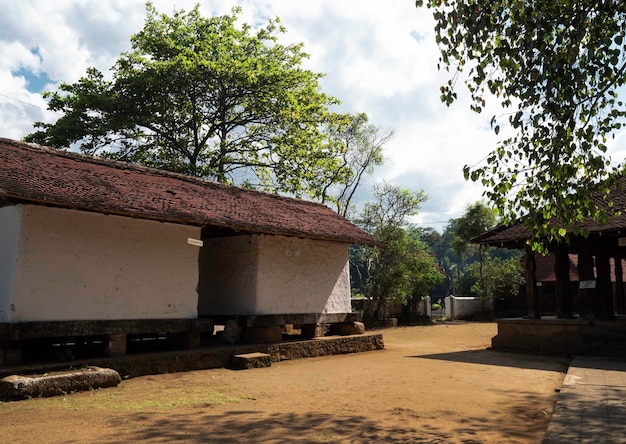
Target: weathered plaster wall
[302, 276]
[79, 265]
[263, 274]
[9, 236]
[228, 273]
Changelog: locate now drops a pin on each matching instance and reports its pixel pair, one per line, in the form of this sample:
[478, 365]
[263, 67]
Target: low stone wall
[462, 307]
[326, 346]
[130, 366]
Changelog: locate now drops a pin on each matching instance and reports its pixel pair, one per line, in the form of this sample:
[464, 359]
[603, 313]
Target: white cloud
[379, 58]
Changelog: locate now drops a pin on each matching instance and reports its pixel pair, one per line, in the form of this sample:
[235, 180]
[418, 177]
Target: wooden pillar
[620, 305]
[603, 304]
[530, 267]
[562, 287]
[585, 274]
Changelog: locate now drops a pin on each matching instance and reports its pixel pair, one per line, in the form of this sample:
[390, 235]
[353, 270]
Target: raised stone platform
[114, 335]
[216, 356]
[553, 335]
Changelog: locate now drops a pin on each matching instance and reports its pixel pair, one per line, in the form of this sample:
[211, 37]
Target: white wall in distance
[76, 265]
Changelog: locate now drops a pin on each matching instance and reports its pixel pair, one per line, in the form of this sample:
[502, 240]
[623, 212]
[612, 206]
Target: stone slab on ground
[57, 383]
[252, 360]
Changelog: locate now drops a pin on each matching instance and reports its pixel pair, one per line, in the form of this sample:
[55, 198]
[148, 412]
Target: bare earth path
[431, 384]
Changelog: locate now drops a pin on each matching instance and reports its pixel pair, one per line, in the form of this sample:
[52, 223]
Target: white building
[93, 247]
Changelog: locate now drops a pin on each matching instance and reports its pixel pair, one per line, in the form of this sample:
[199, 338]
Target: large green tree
[560, 68]
[486, 272]
[206, 97]
[404, 270]
[496, 278]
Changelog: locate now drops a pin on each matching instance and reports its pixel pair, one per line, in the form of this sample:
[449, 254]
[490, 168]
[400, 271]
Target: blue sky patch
[34, 82]
[418, 37]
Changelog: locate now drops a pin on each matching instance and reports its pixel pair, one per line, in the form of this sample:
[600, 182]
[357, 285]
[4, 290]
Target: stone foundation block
[116, 345]
[57, 383]
[262, 335]
[251, 360]
[312, 331]
[347, 328]
[232, 332]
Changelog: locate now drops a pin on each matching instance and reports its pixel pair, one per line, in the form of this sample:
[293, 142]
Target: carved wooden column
[603, 305]
[620, 305]
[564, 303]
[530, 267]
[585, 274]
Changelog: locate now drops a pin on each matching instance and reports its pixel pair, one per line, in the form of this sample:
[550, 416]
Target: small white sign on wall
[196, 242]
[587, 284]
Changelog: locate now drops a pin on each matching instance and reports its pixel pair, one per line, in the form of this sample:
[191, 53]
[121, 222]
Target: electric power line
[27, 103]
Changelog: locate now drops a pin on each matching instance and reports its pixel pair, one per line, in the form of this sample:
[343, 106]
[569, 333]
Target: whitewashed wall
[302, 276]
[462, 307]
[75, 265]
[228, 273]
[264, 274]
[10, 218]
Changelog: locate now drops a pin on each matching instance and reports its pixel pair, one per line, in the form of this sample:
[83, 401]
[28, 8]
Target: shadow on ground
[256, 427]
[402, 425]
[504, 359]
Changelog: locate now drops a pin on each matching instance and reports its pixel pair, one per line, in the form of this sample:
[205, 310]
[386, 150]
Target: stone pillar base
[347, 328]
[116, 345]
[312, 331]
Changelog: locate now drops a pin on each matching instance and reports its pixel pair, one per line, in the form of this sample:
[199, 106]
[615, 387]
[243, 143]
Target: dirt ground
[431, 384]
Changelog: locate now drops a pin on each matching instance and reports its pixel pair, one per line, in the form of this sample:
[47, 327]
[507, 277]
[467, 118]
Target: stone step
[251, 360]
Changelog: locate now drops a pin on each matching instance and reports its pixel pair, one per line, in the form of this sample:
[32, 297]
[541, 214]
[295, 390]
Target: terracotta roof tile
[47, 176]
[516, 234]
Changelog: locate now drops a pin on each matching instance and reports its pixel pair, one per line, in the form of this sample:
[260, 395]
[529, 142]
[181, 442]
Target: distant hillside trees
[471, 270]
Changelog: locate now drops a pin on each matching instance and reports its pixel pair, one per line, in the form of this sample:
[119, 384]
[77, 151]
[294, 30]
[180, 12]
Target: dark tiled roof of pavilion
[515, 235]
[35, 174]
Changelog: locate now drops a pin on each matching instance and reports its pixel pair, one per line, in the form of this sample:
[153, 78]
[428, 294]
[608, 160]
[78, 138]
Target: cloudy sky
[379, 58]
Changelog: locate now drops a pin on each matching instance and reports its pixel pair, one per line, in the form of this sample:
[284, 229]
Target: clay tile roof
[516, 234]
[47, 176]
